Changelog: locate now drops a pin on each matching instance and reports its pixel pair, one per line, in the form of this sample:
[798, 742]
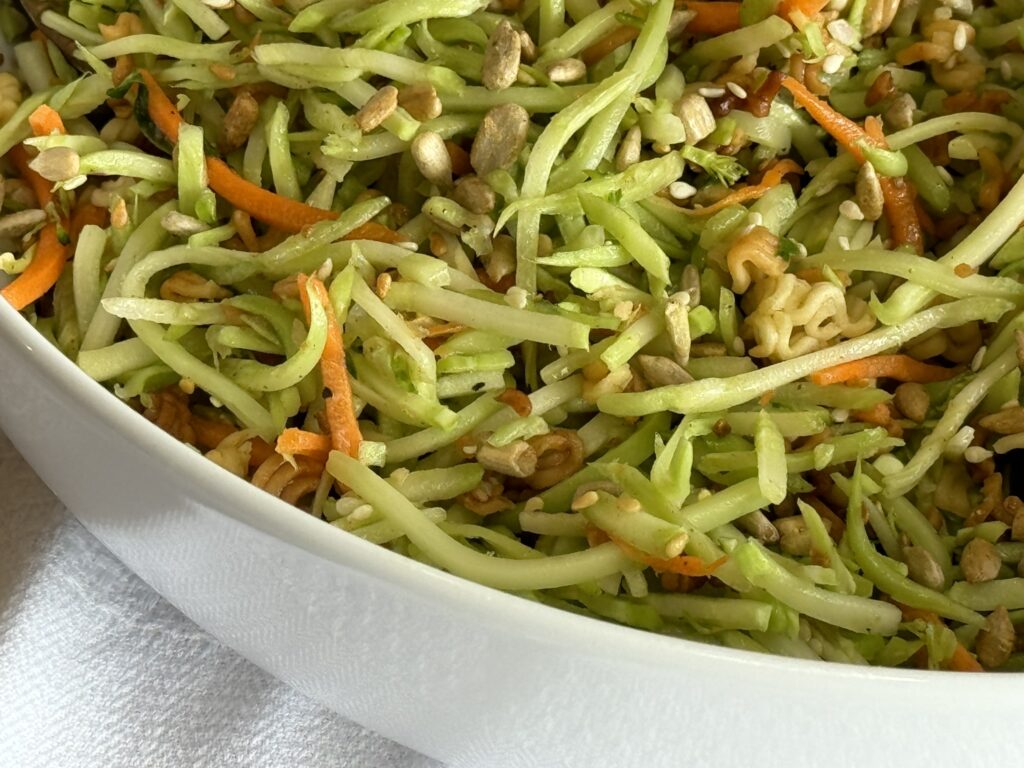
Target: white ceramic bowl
[460, 672]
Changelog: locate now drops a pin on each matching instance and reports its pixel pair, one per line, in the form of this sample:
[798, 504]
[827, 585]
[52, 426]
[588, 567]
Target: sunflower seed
[378, 109]
[432, 158]
[501, 58]
[500, 138]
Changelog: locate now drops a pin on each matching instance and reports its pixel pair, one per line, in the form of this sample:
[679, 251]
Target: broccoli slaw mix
[700, 317]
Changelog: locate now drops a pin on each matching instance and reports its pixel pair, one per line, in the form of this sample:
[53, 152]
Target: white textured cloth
[96, 669]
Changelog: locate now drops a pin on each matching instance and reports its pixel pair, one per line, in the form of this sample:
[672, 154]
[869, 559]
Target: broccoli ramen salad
[704, 317]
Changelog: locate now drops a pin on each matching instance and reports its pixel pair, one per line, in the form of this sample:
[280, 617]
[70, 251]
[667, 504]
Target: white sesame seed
[851, 210]
[978, 357]
[842, 32]
[680, 190]
[960, 38]
[755, 219]
[588, 499]
[737, 347]
[844, 242]
[802, 249]
[628, 504]
[832, 63]
[947, 179]
[839, 415]
[469, 450]
[943, 13]
[711, 93]
[737, 90]
[516, 297]
[1005, 70]
[976, 454]
[325, 270]
[408, 246]
[704, 493]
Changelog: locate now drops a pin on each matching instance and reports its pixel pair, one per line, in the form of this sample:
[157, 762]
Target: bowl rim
[291, 526]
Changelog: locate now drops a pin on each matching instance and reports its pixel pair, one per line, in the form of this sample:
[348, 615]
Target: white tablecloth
[96, 669]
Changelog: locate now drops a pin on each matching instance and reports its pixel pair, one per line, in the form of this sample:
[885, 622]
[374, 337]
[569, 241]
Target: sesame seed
[588, 499]
[943, 13]
[737, 346]
[1005, 69]
[711, 93]
[960, 38]
[851, 210]
[844, 242]
[680, 190]
[832, 63]
[947, 179]
[408, 246]
[469, 450]
[755, 219]
[362, 512]
[628, 504]
[978, 357]
[802, 249]
[704, 493]
[737, 90]
[888, 464]
[842, 32]
[839, 415]
[976, 454]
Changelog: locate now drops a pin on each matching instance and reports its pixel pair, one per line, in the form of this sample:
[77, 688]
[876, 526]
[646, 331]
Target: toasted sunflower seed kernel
[516, 459]
[912, 401]
[501, 57]
[900, 113]
[474, 194]
[794, 538]
[996, 640]
[697, 117]
[628, 153]
[1006, 421]
[420, 100]
[500, 138]
[869, 193]
[56, 163]
[182, 225]
[923, 568]
[432, 158]
[980, 561]
[661, 371]
[759, 526]
[529, 48]
[378, 109]
[22, 222]
[566, 70]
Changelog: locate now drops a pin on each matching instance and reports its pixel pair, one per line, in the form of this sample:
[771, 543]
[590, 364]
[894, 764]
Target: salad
[703, 317]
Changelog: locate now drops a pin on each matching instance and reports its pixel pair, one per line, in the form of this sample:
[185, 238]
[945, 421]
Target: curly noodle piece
[168, 409]
[754, 256]
[792, 317]
[289, 482]
[559, 455]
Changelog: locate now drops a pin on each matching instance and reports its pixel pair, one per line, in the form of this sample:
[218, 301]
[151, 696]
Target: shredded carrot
[161, 109]
[45, 121]
[912, 614]
[838, 126]
[963, 661]
[878, 414]
[899, 367]
[899, 200]
[713, 18]
[85, 214]
[614, 39]
[340, 410]
[371, 230]
[211, 433]
[772, 178]
[808, 8]
[300, 442]
[683, 565]
[42, 272]
[270, 208]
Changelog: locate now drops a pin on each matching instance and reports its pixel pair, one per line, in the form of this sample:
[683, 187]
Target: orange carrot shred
[42, 272]
[614, 39]
[963, 661]
[45, 121]
[270, 208]
[340, 410]
[300, 442]
[683, 565]
[713, 18]
[772, 178]
[899, 367]
[210, 433]
[808, 8]
[838, 126]
[371, 230]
